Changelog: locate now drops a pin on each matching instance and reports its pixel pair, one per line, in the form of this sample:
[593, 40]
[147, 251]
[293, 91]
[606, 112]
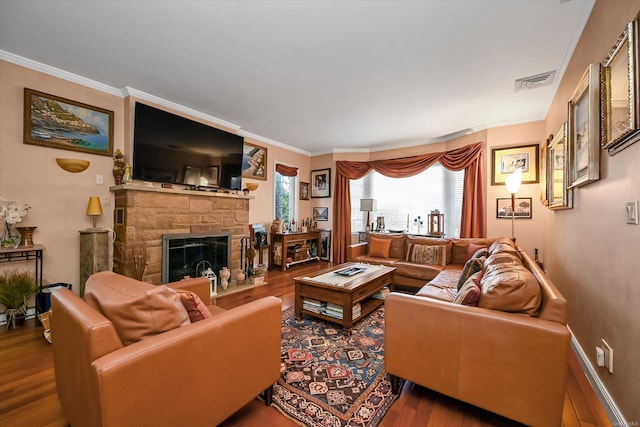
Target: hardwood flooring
[28, 395]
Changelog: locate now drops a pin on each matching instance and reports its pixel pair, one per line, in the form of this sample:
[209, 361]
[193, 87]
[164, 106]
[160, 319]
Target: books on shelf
[382, 293]
[313, 305]
[336, 311]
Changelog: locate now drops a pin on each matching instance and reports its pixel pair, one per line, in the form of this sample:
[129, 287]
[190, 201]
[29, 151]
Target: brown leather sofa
[410, 274]
[510, 363]
[196, 374]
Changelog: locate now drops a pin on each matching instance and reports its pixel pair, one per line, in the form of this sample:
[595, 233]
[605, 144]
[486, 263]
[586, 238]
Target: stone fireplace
[143, 215]
[192, 253]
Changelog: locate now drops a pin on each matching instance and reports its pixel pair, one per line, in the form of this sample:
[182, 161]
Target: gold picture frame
[620, 115]
[254, 161]
[505, 160]
[559, 195]
[57, 122]
[583, 129]
[304, 191]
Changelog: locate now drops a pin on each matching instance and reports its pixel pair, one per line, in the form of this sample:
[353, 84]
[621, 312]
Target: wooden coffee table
[358, 289]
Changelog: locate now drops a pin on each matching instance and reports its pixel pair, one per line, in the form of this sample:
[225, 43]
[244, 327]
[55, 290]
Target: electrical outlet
[608, 355]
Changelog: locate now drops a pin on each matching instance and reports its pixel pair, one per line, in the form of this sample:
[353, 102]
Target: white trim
[612, 410]
[57, 72]
[129, 91]
[259, 138]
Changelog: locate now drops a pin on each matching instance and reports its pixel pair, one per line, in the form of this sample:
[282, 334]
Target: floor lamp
[367, 205]
[513, 185]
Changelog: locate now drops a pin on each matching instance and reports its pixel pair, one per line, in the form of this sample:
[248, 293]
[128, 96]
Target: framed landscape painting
[506, 160]
[254, 161]
[56, 122]
[522, 208]
[320, 214]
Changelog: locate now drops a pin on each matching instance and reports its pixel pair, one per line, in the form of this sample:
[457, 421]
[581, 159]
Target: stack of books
[336, 311]
[313, 305]
[382, 293]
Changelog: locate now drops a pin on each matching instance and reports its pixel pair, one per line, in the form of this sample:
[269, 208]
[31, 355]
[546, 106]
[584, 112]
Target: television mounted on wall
[169, 148]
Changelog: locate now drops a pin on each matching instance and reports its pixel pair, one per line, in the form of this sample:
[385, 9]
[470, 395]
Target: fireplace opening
[192, 253]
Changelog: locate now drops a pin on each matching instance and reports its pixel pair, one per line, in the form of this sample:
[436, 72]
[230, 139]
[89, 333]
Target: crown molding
[259, 138]
[57, 72]
[129, 91]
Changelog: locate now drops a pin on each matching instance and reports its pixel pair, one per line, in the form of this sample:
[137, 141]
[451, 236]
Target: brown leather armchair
[195, 375]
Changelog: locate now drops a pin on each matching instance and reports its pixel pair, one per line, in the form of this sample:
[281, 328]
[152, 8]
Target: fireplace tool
[247, 252]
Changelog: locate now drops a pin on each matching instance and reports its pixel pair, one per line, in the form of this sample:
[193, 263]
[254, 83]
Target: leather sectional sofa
[506, 351]
[132, 354]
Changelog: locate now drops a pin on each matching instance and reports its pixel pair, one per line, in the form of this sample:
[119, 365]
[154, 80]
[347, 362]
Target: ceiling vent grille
[533, 82]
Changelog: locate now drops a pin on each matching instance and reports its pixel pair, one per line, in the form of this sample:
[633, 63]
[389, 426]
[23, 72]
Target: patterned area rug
[329, 379]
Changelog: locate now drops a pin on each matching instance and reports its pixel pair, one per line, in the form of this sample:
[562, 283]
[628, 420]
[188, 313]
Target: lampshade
[94, 208]
[513, 182]
[367, 205]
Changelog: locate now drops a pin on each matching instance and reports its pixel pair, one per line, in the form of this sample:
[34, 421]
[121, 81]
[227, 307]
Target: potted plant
[16, 288]
[257, 274]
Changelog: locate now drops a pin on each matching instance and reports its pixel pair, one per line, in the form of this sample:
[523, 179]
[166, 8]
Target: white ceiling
[314, 75]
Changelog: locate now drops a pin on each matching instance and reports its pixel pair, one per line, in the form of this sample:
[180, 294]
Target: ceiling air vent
[533, 82]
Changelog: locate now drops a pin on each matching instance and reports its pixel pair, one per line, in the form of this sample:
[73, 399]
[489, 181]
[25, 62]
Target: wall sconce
[513, 185]
[368, 205]
[94, 209]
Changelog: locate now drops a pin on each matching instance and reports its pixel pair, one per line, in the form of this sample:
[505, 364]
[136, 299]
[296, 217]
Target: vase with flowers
[257, 274]
[11, 214]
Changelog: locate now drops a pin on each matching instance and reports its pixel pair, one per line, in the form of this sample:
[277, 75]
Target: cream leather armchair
[194, 375]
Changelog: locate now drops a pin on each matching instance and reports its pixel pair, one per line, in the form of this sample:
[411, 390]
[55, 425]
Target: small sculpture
[118, 167]
[224, 278]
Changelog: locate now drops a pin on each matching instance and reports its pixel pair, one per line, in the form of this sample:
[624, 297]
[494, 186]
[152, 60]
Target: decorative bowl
[252, 186]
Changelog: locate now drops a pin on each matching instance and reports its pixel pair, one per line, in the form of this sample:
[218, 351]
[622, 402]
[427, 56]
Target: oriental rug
[332, 379]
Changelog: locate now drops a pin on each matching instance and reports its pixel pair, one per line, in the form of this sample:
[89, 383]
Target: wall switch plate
[99, 179]
[632, 212]
[608, 355]
[599, 356]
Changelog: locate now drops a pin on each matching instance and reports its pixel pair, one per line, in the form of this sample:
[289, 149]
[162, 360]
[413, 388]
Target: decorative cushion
[138, 310]
[482, 252]
[460, 247]
[379, 247]
[194, 305]
[427, 254]
[508, 286]
[469, 293]
[470, 267]
[472, 249]
[431, 241]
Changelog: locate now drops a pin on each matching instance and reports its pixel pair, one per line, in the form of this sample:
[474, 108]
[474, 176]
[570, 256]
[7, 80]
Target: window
[285, 197]
[401, 200]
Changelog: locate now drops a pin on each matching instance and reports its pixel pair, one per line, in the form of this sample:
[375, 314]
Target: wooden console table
[290, 239]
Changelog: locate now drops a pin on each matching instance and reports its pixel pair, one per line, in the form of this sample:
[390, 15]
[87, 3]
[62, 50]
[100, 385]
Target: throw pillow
[470, 267]
[427, 254]
[138, 310]
[472, 249]
[469, 293]
[379, 248]
[194, 305]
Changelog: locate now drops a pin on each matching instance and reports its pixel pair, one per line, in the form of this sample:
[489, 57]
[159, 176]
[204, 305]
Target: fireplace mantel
[143, 214]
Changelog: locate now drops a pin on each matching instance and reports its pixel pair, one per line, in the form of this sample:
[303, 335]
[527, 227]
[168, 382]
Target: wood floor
[28, 395]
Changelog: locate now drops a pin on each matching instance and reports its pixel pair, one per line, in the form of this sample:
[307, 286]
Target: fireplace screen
[191, 254]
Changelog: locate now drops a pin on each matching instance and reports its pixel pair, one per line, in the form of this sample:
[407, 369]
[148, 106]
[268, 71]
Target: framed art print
[254, 161]
[619, 117]
[583, 129]
[320, 214]
[559, 195]
[56, 122]
[304, 191]
[506, 160]
[321, 183]
[522, 208]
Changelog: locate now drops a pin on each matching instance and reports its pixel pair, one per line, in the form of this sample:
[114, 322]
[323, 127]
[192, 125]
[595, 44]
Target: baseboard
[612, 410]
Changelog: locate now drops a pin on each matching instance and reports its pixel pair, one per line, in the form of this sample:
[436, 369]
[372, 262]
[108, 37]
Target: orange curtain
[468, 158]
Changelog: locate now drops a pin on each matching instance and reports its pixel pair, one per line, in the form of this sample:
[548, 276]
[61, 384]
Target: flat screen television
[172, 149]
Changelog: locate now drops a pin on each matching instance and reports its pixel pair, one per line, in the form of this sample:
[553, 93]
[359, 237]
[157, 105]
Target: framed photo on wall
[304, 191]
[321, 183]
[619, 117]
[522, 208]
[506, 160]
[56, 122]
[320, 214]
[254, 161]
[325, 239]
[583, 129]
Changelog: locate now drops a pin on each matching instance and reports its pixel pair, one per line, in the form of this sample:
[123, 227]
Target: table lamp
[367, 205]
[94, 209]
[513, 185]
